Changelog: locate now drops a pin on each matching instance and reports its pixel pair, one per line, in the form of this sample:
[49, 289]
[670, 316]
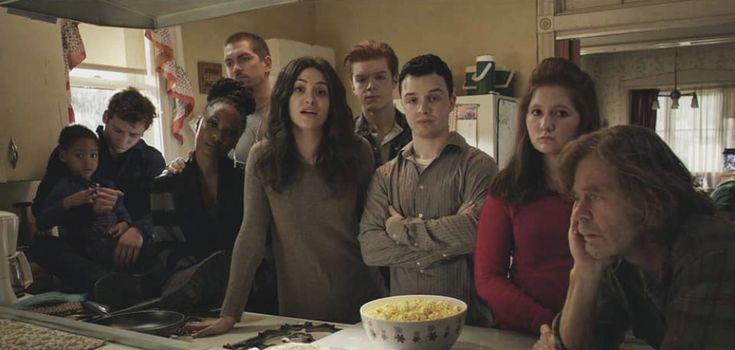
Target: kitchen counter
[118, 339]
[351, 337]
[471, 338]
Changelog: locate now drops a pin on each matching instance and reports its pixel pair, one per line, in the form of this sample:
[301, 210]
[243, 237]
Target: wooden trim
[641, 18]
[569, 49]
[118, 69]
[545, 10]
[688, 79]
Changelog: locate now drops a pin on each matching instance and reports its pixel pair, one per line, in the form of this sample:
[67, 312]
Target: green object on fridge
[470, 86]
[485, 74]
[504, 82]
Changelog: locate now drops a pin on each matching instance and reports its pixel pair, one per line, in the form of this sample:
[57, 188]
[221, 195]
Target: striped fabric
[430, 250]
[179, 215]
[163, 207]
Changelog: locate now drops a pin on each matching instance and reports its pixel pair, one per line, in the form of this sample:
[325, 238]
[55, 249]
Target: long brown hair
[657, 184]
[524, 176]
[337, 156]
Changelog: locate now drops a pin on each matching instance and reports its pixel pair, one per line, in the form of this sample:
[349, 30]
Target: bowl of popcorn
[413, 322]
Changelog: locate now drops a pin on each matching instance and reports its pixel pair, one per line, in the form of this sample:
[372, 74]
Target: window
[698, 135]
[93, 83]
[91, 90]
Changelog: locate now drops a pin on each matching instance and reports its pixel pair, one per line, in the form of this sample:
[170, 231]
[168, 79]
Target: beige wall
[455, 30]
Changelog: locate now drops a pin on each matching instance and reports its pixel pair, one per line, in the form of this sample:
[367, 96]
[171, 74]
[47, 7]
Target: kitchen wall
[455, 30]
[115, 47]
[612, 72]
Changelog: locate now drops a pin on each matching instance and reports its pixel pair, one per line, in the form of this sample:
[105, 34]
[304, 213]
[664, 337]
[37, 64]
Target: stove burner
[296, 333]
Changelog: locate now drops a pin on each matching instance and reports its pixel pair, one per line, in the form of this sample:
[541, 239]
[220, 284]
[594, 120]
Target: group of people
[289, 204]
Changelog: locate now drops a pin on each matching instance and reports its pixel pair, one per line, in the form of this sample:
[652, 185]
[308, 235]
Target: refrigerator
[487, 122]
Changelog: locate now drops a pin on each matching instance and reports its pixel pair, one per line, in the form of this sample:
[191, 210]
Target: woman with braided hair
[197, 212]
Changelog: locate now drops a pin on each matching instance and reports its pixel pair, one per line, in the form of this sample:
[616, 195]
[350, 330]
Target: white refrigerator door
[493, 129]
[507, 114]
[486, 122]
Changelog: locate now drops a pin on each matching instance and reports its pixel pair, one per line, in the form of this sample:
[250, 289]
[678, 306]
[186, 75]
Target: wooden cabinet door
[33, 96]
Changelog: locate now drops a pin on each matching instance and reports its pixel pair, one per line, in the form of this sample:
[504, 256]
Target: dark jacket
[178, 209]
[362, 127]
[81, 218]
[132, 172]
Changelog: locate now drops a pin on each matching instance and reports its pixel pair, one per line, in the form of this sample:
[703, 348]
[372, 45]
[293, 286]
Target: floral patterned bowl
[438, 334]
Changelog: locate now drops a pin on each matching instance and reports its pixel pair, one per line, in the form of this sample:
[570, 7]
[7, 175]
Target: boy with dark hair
[425, 65]
[88, 230]
[423, 205]
[373, 70]
[126, 160]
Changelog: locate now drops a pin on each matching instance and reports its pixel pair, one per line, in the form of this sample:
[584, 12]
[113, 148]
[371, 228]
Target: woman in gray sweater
[306, 184]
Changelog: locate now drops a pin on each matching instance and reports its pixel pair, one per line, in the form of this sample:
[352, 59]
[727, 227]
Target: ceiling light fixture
[676, 94]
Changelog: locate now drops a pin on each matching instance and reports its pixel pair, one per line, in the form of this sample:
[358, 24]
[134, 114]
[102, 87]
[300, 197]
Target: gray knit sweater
[321, 274]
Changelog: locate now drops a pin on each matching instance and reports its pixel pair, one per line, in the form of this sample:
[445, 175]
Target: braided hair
[232, 92]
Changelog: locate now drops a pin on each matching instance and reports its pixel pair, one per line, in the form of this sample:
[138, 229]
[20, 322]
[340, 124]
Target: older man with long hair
[649, 253]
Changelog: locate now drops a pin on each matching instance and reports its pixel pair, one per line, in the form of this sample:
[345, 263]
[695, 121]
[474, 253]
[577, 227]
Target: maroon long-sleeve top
[522, 260]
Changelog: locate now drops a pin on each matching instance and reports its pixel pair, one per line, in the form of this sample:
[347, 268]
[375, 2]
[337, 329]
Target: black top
[78, 219]
[178, 208]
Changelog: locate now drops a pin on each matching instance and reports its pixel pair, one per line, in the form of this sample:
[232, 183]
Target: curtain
[698, 136]
[569, 49]
[74, 54]
[177, 82]
[728, 108]
[641, 107]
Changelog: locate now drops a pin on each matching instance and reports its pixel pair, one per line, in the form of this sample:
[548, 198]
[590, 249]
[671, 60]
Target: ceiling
[135, 13]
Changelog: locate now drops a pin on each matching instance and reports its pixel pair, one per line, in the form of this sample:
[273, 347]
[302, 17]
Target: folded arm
[413, 241]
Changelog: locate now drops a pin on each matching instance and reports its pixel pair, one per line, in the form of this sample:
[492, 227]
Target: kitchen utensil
[21, 276]
[8, 241]
[296, 333]
[158, 322]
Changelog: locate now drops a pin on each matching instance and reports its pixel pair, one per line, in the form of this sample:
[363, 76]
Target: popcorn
[415, 310]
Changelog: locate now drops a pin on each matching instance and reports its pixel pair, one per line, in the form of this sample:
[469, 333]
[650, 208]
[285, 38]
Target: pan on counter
[157, 322]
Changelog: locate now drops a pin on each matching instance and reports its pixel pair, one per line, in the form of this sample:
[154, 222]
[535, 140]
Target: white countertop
[351, 337]
[249, 326]
[471, 338]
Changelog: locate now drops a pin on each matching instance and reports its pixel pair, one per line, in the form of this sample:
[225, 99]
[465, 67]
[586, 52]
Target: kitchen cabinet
[33, 97]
